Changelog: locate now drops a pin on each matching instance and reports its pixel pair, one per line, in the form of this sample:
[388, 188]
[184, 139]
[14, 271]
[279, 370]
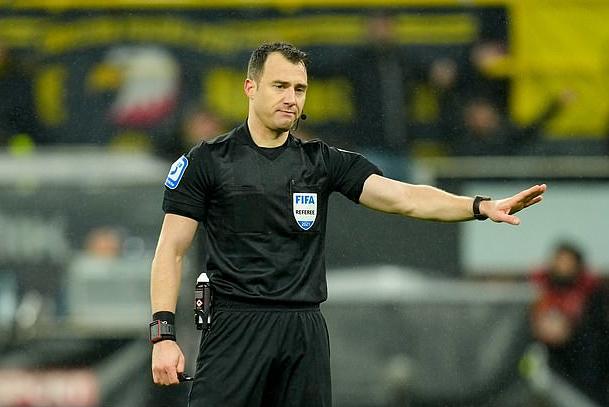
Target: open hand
[503, 210]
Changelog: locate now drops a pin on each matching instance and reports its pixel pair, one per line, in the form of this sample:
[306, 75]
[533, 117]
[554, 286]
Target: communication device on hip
[202, 302]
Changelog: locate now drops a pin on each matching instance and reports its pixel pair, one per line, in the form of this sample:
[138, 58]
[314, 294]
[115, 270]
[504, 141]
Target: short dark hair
[260, 54]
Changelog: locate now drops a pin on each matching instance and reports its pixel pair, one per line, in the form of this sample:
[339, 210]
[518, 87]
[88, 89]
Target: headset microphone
[297, 122]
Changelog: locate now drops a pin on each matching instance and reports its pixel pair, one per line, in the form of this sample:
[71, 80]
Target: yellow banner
[562, 45]
[229, 36]
[209, 4]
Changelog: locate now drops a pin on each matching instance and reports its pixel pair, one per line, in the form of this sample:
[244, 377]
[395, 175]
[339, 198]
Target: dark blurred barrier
[358, 236]
[399, 336]
[548, 385]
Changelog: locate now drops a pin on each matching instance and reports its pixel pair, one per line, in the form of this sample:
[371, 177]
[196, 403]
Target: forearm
[430, 203]
[165, 282]
[415, 201]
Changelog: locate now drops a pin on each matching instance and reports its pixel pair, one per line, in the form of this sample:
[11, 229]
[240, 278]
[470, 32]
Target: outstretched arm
[430, 203]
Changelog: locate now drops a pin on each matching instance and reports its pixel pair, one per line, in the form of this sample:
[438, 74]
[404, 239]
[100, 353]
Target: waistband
[228, 303]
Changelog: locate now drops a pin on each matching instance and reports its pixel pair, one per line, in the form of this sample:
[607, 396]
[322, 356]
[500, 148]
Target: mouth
[288, 112]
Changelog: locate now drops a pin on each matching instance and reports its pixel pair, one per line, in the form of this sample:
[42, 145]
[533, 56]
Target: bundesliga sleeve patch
[176, 172]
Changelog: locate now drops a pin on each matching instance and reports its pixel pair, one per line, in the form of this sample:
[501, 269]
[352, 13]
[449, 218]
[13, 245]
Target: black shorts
[263, 355]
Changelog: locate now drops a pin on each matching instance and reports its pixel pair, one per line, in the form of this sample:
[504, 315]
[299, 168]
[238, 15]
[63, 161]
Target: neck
[263, 136]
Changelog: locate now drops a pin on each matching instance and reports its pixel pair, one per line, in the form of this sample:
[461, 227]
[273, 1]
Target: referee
[261, 196]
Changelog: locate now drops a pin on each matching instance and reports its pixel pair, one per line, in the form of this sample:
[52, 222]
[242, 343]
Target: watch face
[161, 330]
[155, 331]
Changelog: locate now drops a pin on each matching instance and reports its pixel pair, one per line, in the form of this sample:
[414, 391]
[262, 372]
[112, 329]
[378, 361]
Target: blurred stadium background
[99, 97]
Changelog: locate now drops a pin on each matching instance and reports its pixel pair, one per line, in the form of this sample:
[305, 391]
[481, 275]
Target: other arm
[430, 203]
[175, 239]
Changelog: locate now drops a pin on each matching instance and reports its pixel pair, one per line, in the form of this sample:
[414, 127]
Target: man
[262, 196]
[569, 316]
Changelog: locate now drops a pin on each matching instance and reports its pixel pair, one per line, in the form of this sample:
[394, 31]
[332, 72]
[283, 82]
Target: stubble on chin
[285, 126]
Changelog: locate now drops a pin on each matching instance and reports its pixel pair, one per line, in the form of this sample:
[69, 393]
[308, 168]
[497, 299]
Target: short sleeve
[348, 171]
[187, 184]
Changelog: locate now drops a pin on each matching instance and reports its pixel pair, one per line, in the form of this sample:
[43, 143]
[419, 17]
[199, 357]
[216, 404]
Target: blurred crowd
[405, 105]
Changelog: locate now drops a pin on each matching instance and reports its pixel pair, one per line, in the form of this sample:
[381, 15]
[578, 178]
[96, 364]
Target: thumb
[504, 217]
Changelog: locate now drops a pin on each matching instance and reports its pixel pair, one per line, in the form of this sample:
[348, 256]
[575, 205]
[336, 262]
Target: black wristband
[161, 331]
[166, 316]
[162, 327]
[476, 207]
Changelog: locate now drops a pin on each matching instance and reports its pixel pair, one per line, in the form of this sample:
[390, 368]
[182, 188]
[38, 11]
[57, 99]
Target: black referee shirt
[264, 211]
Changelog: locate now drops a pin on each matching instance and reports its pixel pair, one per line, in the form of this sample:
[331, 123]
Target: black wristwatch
[476, 207]
[161, 330]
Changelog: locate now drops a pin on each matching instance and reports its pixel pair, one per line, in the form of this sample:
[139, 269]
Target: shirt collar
[244, 136]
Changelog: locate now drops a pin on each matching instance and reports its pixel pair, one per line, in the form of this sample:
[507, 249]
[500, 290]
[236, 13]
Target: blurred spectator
[102, 248]
[18, 122]
[381, 89]
[443, 76]
[481, 80]
[197, 125]
[447, 97]
[381, 79]
[484, 130]
[607, 137]
[487, 72]
[103, 243]
[101, 252]
[565, 318]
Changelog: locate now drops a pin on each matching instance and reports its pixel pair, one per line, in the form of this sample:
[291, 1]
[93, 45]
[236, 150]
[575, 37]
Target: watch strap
[476, 207]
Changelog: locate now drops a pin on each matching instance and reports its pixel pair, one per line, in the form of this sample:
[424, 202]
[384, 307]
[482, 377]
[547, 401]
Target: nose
[289, 96]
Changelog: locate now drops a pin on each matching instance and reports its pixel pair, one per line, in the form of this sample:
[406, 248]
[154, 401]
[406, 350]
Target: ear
[249, 87]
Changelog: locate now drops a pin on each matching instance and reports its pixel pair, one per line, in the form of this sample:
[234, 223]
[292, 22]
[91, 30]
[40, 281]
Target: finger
[533, 201]
[172, 375]
[157, 375]
[518, 206]
[504, 217]
[161, 378]
[532, 192]
[181, 363]
[541, 189]
[526, 198]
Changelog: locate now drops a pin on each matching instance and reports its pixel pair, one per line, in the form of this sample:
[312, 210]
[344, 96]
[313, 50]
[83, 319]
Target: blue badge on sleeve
[176, 172]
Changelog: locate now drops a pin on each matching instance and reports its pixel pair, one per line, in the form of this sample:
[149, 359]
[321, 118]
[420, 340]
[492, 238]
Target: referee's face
[278, 97]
